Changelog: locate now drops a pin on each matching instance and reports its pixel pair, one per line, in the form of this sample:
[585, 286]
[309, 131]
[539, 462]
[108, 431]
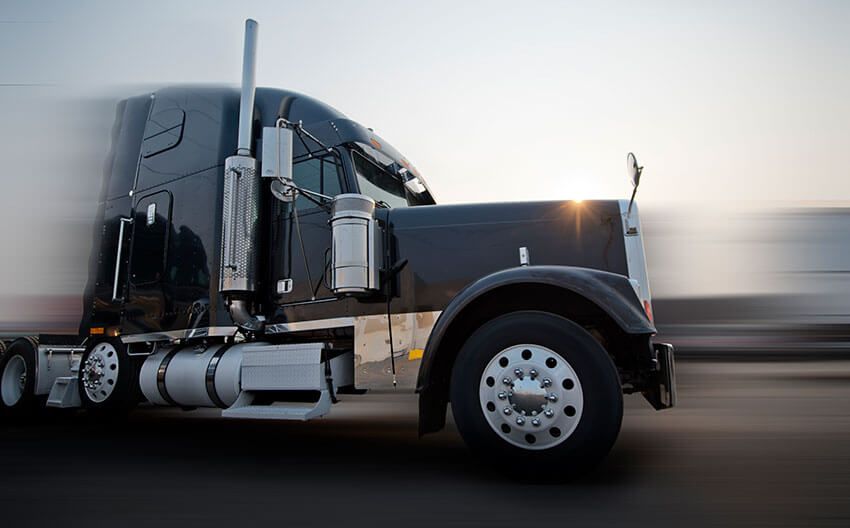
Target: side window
[379, 184]
[321, 175]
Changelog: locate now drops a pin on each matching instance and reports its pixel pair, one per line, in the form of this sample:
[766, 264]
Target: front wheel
[537, 386]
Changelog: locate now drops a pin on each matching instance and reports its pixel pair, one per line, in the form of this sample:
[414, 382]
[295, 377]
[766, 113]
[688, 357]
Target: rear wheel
[108, 377]
[17, 377]
[536, 386]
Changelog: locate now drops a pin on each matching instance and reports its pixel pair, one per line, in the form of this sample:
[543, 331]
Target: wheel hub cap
[100, 372]
[13, 381]
[531, 397]
[528, 397]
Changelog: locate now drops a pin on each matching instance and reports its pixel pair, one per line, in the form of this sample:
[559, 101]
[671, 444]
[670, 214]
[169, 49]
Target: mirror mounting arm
[631, 202]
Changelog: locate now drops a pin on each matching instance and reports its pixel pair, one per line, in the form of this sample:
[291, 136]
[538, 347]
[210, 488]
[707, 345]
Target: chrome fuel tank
[193, 376]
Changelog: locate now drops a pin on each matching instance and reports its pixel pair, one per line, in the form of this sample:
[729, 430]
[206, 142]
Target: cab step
[244, 407]
[276, 377]
[64, 393]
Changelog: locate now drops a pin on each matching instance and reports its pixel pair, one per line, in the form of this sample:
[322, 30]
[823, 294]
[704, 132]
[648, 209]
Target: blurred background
[739, 112]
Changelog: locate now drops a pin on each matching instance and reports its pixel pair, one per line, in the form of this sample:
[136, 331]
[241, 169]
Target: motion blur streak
[751, 444]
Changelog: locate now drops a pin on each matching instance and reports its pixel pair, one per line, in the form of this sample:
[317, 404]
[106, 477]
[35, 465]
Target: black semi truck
[259, 252]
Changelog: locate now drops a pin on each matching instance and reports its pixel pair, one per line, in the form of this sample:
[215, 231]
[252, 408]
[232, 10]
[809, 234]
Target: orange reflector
[97, 330]
[648, 309]
[375, 143]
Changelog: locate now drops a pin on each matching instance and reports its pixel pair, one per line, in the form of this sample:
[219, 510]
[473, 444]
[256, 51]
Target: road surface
[751, 444]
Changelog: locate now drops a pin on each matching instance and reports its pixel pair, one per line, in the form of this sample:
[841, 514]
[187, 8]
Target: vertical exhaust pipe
[241, 203]
[249, 84]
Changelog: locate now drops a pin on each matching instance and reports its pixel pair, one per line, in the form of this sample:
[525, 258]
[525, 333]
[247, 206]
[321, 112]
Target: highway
[751, 444]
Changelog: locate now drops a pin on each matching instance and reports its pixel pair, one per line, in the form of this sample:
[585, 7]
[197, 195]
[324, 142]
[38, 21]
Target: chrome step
[278, 369]
[243, 408]
[64, 393]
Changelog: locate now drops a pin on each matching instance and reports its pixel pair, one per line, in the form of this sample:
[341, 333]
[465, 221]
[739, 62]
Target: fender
[610, 292]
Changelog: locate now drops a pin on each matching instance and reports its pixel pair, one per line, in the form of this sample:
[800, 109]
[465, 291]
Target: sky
[506, 100]
[723, 102]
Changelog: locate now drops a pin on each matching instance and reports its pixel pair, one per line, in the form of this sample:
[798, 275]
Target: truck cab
[257, 251]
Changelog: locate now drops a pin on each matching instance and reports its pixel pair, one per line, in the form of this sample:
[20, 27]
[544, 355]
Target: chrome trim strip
[61, 349]
[302, 326]
[188, 333]
[303, 303]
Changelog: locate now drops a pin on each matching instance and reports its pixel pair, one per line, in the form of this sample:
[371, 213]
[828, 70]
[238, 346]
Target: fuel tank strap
[160, 376]
[210, 376]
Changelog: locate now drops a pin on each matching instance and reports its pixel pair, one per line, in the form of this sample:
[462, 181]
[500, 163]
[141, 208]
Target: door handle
[122, 222]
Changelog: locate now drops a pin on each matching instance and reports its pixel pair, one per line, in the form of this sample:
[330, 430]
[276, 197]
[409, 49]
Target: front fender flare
[610, 292]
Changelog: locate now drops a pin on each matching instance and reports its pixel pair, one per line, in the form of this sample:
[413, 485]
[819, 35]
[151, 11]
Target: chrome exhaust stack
[241, 203]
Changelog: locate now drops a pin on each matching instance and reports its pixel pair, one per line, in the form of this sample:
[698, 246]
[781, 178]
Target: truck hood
[447, 247]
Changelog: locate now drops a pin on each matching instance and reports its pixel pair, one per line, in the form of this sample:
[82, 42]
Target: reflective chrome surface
[187, 333]
[301, 326]
[544, 408]
[99, 373]
[122, 222]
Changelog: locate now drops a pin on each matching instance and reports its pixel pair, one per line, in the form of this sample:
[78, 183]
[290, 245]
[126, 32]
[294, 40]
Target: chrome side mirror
[277, 161]
[634, 170]
[277, 153]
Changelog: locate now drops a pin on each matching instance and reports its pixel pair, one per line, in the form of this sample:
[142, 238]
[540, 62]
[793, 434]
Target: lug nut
[520, 420]
[507, 411]
[549, 413]
[502, 395]
[535, 422]
[552, 397]
[547, 382]
[506, 381]
[518, 373]
[532, 373]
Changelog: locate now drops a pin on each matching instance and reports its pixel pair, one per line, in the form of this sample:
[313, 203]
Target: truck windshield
[377, 183]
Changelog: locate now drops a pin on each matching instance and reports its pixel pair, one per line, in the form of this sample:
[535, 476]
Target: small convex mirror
[277, 153]
[284, 193]
[633, 169]
[411, 182]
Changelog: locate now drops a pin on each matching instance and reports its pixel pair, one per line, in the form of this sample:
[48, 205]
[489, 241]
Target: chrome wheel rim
[531, 397]
[100, 372]
[14, 380]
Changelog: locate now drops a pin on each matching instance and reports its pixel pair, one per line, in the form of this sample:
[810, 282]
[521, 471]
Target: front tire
[108, 377]
[537, 386]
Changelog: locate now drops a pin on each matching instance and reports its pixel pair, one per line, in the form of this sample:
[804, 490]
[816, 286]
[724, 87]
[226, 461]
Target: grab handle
[122, 223]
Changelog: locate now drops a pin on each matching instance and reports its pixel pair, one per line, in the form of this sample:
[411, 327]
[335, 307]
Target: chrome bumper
[662, 391]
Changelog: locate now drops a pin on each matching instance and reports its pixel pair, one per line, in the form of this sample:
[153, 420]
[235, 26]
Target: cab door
[148, 306]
